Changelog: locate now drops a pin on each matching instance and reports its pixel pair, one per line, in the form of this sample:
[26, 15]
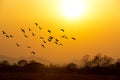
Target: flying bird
[49, 31]
[17, 44]
[61, 44]
[33, 52]
[62, 30]
[33, 34]
[25, 36]
[29, 29]
[50, 38]
[3, 32]
[29, 47]
[44, 41]
[43, 45]
[56, 40]
[41, 37]
[73, 38]
[66, 37]
[23, 30]
[63, 36]
[7, 36]
[11, 36]
[40, 28]
[36, 24]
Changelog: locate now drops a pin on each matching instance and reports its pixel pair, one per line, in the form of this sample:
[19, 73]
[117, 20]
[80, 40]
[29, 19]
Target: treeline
[98, 65]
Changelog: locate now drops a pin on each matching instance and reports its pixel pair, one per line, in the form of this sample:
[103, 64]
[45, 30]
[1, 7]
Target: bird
[7, 36]
[33, 52]
[11, 36]
[33, 34]
[43, 45]
[63, 36]
[62, 30]
[73, 38]
[25, 36]
[3, 32]
[41, 37]
[40, 28]
[56, 40]
[66, 37]
[61, 44]
[50, 38]
[44, 41]
[17, 44]
[29, 29]
[36, 24]
[23, 30]
[49, 31]
[29, 47]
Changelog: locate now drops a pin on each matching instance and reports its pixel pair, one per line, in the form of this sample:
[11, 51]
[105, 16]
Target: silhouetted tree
[34, 67]
[117, 64]
[71, 67]
[22, 63]
[86, 61]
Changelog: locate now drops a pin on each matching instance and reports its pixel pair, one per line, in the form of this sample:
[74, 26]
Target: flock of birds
[49, 39]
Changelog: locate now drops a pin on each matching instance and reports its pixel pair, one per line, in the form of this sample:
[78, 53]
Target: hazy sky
[96, 28]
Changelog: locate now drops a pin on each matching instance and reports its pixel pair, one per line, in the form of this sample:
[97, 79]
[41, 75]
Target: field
[38, 76]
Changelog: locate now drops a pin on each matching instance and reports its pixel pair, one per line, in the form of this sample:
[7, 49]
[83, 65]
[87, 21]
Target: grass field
[35, 76]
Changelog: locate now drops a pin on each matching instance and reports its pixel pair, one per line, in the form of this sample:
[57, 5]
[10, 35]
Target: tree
[71, 67]
[96, 62]
[22, 63]
[86, 61]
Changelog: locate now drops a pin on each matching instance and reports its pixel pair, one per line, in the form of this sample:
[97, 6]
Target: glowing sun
[73, 8]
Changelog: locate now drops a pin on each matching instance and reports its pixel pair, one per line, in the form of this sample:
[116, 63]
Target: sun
[73, 8]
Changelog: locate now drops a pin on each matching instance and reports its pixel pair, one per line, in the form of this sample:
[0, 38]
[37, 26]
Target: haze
[97, 31]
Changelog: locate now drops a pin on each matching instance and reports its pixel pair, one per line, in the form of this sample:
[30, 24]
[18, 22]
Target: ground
[51, 76]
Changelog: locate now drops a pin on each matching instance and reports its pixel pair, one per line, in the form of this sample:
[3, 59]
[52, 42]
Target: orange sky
[97, 30]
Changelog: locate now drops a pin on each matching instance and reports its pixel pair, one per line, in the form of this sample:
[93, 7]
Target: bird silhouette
[33, 34]
[36, 24]
[66, 37]
[7, 36]
[29, 29]
[49, 31]
[3, 32]
[25, 36]
[29, 47]
[33, 52]
[23, 30]
[63, 36]
[50, 38]
[61, 44]
[41, 37]
[73, 38]
[56, 40]
[17, 44]
[62, 30]
[44, 41]
[43, 45]
[40, 28]
[11, 36]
